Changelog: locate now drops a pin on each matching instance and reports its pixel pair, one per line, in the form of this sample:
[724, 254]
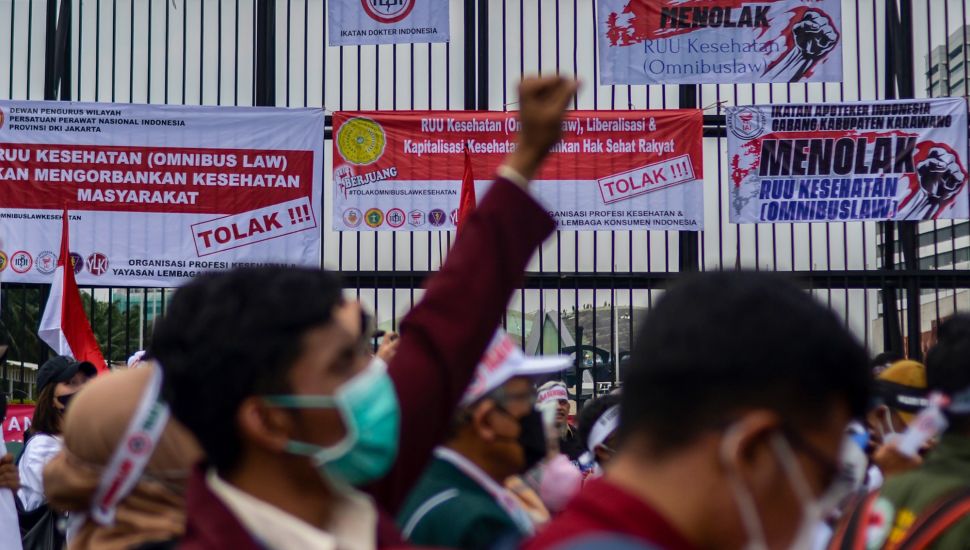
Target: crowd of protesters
[260, 418]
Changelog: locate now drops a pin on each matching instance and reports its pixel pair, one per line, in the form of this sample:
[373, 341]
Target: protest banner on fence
[357, 22]
[157, 193]
[719, 41]
[402, 170]
[17, 422]
[886, 160]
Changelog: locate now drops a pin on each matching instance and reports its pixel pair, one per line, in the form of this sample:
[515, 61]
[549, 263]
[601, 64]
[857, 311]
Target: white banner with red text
[887, 160]
[719, 41]
[156, 193]
[402, 170]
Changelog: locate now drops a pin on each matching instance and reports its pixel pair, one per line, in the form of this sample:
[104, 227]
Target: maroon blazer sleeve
[447, 332]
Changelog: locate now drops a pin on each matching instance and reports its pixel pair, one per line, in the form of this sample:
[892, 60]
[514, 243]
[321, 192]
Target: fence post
[471, 55]
[57, 86]
[688, 241]
[483, 55]
[57, 52]
[265, 95]
[579, 366]
[901, 83]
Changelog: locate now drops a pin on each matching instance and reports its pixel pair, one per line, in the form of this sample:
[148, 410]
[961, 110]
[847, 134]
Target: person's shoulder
[904, 498]
[41, 445]
[957, 537]
[603, 541]
[919, 485]
[453, 515]
[43, 440]
[455, 507]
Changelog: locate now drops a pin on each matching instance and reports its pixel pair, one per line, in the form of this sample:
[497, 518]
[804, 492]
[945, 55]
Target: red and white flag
[65, 326]
[466, 202]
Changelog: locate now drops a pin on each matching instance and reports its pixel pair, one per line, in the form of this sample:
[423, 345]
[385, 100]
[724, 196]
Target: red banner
[151, 179]
[400, 170]
[17, 422]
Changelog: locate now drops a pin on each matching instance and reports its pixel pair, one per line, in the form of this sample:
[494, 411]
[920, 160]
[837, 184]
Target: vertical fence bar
[901, 83]
[470, 56]
[688, 241]
[265, 52]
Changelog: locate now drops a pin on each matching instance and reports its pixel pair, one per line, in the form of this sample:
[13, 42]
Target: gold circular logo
[360, 141]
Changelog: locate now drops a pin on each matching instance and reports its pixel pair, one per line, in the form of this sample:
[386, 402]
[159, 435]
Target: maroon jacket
[602, 508]
[442, 339]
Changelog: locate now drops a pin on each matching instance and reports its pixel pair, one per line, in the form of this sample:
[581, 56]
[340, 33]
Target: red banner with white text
[17, 422]
[402, 170]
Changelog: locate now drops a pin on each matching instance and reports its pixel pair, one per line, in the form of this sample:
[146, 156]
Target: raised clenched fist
[940, 175]
[814, 35]
[542, 107]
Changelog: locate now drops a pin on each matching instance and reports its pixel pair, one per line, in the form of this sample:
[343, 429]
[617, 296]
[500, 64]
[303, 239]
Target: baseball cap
[903, 387]
[62, 368]
[503, 360]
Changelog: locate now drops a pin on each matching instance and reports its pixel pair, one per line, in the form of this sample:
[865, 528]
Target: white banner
[157, 193]
[887, 160]
[719, 41]
[357, 22]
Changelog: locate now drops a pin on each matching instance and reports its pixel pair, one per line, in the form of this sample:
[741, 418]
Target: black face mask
[532, 438]
[65, 399]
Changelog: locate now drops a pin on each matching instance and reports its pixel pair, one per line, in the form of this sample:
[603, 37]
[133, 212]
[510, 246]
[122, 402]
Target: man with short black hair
[732, 417]
[270, 369]
[460, 501]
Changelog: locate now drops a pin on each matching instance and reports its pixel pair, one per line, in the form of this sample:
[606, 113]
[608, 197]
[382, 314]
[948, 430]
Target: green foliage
[99, 323]
[23, 306]
[20, 313]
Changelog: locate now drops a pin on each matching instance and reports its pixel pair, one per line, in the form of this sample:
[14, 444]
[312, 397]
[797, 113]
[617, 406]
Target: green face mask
[368, 406]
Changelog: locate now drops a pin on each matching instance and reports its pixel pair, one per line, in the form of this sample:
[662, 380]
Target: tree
[20, 317]
[23, 306]
[113, 346]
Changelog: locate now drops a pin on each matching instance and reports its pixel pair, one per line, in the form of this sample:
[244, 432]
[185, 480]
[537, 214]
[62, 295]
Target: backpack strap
[850, 533]
[936, 519]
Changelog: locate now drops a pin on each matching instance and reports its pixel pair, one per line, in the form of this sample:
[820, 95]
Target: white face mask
[888, 429]
[813, 510]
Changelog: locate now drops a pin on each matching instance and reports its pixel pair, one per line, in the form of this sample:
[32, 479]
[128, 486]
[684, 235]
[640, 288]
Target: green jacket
[904, 497]
[448, 508]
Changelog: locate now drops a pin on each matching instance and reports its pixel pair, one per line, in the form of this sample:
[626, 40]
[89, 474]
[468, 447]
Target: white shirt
[40, 449]
[9, 523]
[352, 527]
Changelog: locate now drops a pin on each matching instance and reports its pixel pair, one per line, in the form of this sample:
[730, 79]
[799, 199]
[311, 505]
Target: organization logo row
[46, 262]
[396, 217]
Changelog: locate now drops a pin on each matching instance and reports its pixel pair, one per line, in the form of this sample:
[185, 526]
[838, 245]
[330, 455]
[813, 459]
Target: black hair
[227, 336]
[948, 364]
[591, 413]
[47, 417]
[717, 344]
[884, 359]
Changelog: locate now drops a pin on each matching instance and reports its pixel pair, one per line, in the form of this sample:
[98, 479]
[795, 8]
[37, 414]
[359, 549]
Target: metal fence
[892, 283]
